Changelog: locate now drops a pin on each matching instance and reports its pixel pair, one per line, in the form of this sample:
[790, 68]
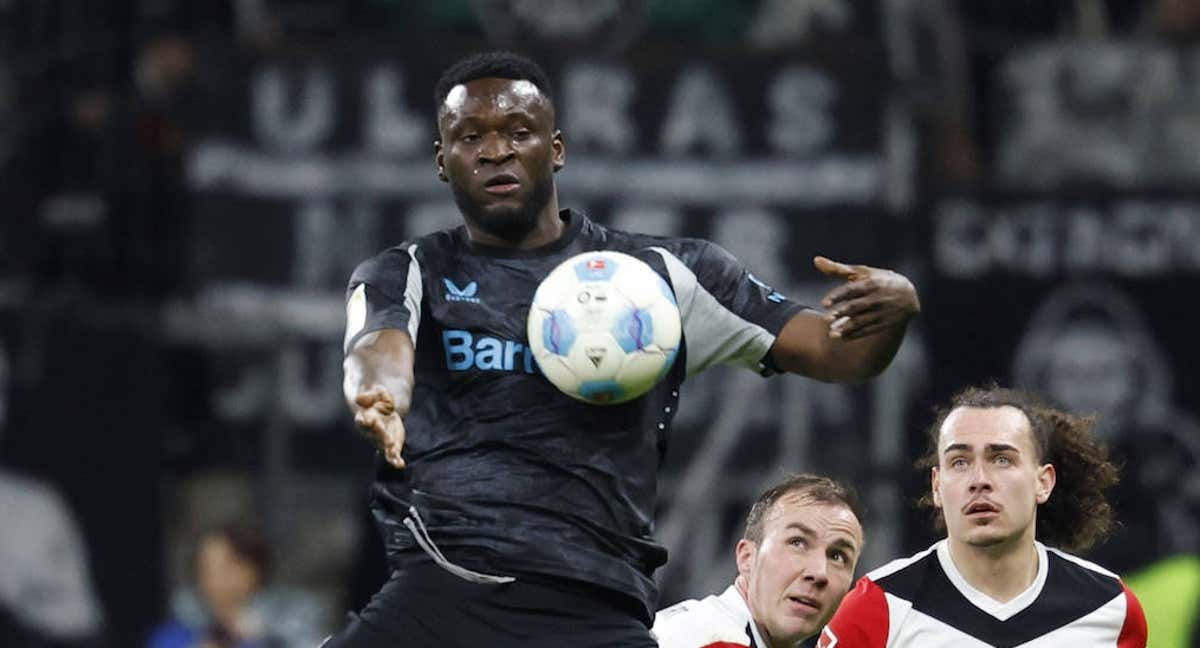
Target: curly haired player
[1015, 484]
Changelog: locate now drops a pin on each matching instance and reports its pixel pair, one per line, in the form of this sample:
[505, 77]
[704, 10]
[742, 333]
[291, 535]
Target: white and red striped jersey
[715, 622]
[924, 601]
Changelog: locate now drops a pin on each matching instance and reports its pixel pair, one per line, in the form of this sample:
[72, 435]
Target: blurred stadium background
[185, 187]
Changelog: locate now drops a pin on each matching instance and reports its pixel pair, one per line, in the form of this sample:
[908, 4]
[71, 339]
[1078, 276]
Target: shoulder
[1070, 576]
[1097, 594]
[1075, 563]
[699, 624]
[685, 249]
[904, 575]
[397, 258]
[862, 619]
[878, 602]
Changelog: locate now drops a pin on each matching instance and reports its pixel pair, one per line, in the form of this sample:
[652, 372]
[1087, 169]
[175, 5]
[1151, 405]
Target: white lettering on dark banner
[1133, 238]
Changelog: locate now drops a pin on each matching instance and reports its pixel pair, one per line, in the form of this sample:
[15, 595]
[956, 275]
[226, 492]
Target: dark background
[186, 187]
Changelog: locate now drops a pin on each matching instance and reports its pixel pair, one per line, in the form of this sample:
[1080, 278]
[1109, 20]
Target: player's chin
[797, 630]
[986, 535]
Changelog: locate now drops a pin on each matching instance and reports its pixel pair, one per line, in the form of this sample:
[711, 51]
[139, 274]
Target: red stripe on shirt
[1133, 632]
[861, 620]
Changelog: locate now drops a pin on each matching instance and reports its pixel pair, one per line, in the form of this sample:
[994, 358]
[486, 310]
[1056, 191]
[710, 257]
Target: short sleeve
[729, 315]
[693, 624]
[385, 292]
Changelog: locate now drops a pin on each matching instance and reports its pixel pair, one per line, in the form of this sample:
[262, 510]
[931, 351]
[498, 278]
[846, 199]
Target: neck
[740, 584]
[1001, 571]
[548, 229]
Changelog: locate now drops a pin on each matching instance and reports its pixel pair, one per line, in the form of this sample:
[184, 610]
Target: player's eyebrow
[957, 447]
[805, 530]
[991, 447]
[846, 544]
[841, 542]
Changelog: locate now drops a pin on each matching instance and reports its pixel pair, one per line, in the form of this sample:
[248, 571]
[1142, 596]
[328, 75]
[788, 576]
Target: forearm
[380, 360]
[805, 346]
[860, 359]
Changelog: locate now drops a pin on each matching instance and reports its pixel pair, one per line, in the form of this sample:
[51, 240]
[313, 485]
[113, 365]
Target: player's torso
[481, 403]
[928, 633]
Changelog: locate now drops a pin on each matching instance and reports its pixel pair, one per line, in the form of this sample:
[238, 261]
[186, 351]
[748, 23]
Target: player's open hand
[871, 300]
[376, 416]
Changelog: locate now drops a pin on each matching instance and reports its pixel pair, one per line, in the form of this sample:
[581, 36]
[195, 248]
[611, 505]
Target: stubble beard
[511, 224]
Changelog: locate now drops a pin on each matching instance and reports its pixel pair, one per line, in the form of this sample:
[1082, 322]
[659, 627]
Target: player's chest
[486, 300]
[473, 319]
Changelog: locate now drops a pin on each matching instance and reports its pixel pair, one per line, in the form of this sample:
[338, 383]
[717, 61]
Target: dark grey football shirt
[509, 475]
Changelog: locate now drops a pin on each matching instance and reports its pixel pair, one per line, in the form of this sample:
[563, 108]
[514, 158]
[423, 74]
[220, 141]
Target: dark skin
[499, 150]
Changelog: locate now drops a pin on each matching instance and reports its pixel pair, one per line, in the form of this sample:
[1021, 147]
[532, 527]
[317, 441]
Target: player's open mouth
[502, 184]
[982, 509]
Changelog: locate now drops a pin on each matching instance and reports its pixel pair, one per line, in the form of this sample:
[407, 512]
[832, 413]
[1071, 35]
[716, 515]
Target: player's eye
[797, 541]
[958, 462]
[1003, 460]
[469, 138]
[522, 134]
[839, 557]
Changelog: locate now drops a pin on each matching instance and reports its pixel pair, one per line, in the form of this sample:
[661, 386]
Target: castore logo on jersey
[456, 294]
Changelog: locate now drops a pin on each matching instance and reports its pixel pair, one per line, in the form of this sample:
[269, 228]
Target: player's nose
[496, 148]
[816, 570]
[979, 479]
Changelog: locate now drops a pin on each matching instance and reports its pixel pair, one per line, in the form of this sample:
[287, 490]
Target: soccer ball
[604, 327]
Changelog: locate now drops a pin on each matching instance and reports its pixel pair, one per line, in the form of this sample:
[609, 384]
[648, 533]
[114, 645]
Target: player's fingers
[848, 327]
[370, 422]
[834, 268]
[393, 457]
[847, 291]
[855, 307]
[374, 396]
[866, 329]
[393, 442]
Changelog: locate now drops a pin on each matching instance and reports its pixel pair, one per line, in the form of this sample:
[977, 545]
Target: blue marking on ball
[558, 332]
[601, 391]
[633, 330]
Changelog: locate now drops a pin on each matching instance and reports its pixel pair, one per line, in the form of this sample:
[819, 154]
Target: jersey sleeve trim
[371, 307]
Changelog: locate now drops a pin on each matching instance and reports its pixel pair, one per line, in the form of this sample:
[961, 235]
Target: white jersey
[716, 622]
[924, 601]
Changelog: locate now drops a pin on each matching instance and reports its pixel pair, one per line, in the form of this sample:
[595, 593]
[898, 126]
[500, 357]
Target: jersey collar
[573, 223]
[1001, 611]
[732, 598]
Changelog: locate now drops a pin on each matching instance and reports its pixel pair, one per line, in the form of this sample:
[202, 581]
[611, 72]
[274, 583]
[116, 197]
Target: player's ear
[558, 147]
[745, 552]
[1047, 477]
[934, 481]
[437, 160]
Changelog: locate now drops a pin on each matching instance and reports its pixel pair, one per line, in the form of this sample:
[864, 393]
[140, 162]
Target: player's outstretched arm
[861, 332]
[377, 383]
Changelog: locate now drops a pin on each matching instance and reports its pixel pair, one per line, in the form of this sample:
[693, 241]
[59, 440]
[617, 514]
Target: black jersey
[508, 474]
